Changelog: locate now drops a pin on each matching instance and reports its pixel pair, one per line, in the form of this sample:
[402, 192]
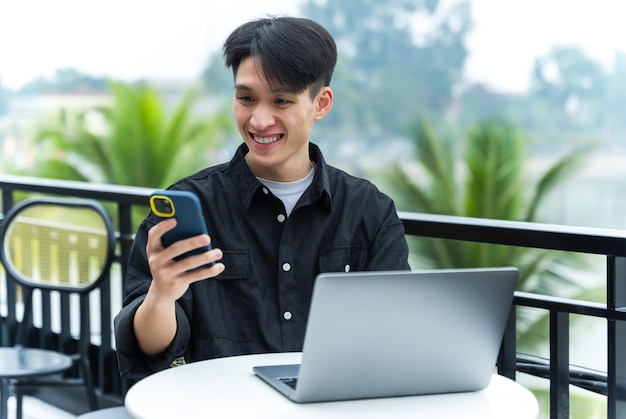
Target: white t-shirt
[289, 192]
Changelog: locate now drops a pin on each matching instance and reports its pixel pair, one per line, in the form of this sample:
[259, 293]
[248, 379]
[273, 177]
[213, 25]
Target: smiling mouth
[266, 140]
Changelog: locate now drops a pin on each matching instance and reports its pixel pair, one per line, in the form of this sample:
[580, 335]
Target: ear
[324, 103]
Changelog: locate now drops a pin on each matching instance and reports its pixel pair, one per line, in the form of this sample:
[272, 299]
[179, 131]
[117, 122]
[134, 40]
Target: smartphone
[185, 208]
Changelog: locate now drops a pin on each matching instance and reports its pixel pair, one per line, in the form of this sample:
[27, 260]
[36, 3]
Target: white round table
[227, 388]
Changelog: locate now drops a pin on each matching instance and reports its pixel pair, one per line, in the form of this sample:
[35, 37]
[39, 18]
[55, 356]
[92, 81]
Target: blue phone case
[185, 208]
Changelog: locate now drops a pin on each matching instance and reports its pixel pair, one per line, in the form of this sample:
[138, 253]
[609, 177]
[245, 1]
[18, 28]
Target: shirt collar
[248, 185]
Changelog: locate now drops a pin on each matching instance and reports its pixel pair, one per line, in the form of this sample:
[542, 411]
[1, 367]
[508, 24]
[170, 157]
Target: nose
[262, 117]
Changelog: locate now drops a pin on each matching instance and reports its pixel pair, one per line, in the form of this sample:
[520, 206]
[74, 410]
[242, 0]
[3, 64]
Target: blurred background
[484, 108]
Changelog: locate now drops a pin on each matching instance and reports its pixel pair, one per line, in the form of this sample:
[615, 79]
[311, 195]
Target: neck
[289, 171]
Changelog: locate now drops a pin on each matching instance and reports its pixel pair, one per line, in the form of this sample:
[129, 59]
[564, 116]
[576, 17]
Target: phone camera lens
[164, 206]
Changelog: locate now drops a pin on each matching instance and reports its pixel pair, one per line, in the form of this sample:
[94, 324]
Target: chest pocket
[343, 259]
[236, 264]
[222, 306]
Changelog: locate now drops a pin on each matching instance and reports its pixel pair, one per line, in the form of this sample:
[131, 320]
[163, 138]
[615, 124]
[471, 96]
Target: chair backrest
[57, 244]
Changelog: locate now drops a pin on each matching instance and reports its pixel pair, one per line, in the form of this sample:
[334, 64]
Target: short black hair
[293, 52]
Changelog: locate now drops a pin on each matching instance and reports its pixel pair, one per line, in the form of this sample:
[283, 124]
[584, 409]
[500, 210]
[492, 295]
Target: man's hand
[171, 278]
[155, 320]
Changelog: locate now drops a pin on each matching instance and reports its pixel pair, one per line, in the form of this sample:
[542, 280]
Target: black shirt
[260, 302]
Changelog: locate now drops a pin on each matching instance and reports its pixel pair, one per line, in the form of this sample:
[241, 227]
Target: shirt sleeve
[389, 249]
[133, 363]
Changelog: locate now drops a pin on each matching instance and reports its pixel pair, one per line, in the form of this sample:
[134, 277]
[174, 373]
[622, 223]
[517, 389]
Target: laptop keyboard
[290, 381]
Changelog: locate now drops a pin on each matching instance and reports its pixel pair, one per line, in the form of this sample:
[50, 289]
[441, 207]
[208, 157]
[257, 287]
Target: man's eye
[282, 101]
[244, 99]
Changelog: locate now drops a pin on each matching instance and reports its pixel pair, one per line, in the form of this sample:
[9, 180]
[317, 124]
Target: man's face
[275, 123]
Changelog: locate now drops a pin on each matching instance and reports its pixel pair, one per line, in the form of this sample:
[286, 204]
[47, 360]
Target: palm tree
[135, 141]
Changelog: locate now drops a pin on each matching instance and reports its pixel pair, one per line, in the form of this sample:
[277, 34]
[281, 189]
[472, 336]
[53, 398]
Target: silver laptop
[399, 333]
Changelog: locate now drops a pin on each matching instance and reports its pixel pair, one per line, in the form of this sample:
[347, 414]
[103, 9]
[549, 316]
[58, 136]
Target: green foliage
[494, 183]
[135, 141]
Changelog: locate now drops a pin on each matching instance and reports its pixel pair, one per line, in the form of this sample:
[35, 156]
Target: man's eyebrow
[283, 90]
[278, 90]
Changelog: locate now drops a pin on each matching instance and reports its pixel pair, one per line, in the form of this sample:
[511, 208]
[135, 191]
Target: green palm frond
[414, 195]
[554, 176]
[436, 156]
[178, 123]
[61, 170]
[494, 161]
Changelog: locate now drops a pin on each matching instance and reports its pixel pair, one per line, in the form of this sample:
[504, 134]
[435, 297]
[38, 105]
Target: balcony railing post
[616, 301]
[9, 324]
[7, 199]
[124, 212]
[559, 364]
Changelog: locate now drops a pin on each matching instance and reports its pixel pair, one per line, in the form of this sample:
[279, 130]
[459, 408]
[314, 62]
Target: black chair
[56, 251]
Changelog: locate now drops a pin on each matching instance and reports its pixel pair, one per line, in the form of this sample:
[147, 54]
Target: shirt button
[286, 267]
[265, 191]
[280, 218]
[347, 268]
[287, 315]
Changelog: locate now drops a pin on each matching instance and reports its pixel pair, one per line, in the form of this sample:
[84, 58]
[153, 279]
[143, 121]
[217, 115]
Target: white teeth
[266, 140]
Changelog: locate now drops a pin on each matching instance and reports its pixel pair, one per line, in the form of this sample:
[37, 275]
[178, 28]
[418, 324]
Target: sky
[172, 39]
[510, 34]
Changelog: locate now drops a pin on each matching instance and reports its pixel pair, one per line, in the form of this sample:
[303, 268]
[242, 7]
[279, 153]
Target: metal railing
[609, 243]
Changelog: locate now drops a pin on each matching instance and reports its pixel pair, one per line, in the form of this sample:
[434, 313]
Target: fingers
[177, 250]
[157, 231]
[203, 261]
[172, 277]
[202, 272]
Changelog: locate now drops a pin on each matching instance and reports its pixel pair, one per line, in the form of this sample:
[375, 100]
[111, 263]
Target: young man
[277, 216]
